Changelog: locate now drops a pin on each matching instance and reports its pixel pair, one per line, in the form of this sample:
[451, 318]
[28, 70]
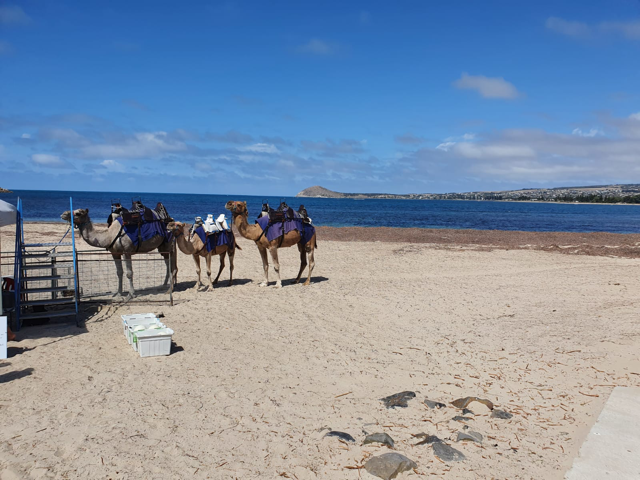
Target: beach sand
[260, 375]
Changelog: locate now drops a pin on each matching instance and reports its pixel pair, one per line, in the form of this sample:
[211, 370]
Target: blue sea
[482, 215]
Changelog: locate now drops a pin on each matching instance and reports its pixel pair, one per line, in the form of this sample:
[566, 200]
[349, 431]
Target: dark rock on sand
[469, 436]
[459, 418]
[464, 402]
[446, 453]
[466, 411]
[341, 435]
[398, 400]
[379, 438]
[501, 414]
[433, 404]
[389, 465]
[429, 439]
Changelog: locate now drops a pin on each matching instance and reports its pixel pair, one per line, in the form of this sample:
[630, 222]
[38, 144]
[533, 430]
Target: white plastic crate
[153, 342]
[131, 321]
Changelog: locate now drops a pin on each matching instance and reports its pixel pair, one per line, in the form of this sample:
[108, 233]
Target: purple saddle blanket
[274, 230]
[217, 239]
[146, 231]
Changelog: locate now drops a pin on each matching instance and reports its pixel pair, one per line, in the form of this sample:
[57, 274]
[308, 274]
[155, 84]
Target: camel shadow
[302, 280]
[186, 286]
[9, 377]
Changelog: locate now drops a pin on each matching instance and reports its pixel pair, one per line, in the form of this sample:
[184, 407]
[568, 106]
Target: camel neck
[186, 246]
[251, 232]
[94, 237]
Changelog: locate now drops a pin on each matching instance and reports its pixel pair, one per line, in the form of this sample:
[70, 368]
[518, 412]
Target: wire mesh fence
[98, 277]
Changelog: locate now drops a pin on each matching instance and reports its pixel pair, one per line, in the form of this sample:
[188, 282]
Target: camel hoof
[307, 283]
[230, 283]
[210, 289]
[278, 285]
[118, 298]
[297, 280]
[263, 284]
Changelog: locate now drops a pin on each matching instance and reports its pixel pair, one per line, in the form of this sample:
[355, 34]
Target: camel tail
[238, 247]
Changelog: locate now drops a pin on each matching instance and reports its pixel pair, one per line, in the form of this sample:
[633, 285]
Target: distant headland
[4, 190]
[623, 193]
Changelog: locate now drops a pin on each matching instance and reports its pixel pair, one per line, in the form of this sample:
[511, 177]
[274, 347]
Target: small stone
[429, 439]
[466, 411]
[446, 453]
[379, 438]
[501, 414]
[389, 465]
[464, 402]
[469, 436]
[398, 400]
[458, 418]
[433, 404]
[341, 435]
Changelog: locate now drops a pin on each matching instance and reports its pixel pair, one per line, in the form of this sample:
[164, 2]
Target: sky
[268, 98]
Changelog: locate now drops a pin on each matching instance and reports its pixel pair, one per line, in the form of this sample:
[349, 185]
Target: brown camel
[112, 239]
[192, 245]
[254, 232]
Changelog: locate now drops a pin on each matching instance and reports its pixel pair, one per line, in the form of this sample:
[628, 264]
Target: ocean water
[482, 215]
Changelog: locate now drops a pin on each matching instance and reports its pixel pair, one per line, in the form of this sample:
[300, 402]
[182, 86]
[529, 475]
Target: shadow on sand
[9, 377]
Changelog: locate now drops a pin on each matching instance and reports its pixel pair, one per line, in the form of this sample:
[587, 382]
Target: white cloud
[571, 28]
[112, 166]
[591, 133]
[445, 146]
[318, 47]
[13, 15]
[140, 145]
[50, 161]
[260, 148]
[488, 87]
[635, 116]
[25, 135]
[526, 157]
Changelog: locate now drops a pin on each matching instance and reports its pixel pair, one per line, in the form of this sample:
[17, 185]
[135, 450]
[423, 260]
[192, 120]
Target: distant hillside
[627, 193]
[318, 191]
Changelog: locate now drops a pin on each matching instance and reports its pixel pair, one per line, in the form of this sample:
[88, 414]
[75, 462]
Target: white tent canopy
[7, 214]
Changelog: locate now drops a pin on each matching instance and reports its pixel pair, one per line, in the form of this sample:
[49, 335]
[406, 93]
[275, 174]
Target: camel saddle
[139, 214]
[284, 212]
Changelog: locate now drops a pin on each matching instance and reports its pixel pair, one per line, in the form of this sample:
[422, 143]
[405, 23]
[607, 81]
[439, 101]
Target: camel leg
[232, 254]
[208, 258]
[312, 264]
[167, 262]
[118, 259]
[303, 261]
[222, 257]
[129, 267]
[265, 266]
[196, 259]
[276, 265]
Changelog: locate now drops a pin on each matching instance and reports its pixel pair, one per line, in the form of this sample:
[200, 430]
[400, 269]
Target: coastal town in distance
[623, 193]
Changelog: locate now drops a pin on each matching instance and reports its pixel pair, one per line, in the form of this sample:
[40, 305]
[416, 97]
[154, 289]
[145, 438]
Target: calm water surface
[482, 215]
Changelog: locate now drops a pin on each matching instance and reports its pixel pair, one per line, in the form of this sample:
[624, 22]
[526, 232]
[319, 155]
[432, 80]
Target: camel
[119, 244]
[193, 246]
[254, 232]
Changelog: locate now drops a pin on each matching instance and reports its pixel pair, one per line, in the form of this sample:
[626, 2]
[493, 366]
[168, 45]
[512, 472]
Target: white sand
[544, 336]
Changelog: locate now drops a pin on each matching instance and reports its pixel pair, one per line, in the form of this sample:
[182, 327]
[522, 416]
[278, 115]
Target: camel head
[80, 216]
[237, 208]
[177, 228]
